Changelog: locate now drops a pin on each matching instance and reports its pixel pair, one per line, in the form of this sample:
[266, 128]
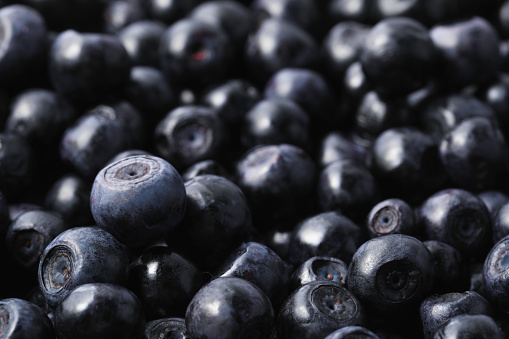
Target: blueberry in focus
[24, 319]
[78, 256]
[392, 216]
[138, 199]
[495, 275]
[318, 308]
[171, 328]
[99, 310]
[319, 269]
[230, 307]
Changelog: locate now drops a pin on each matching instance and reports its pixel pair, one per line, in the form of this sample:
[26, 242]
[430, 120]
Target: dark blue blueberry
[230, 16]
[336, 146]
[194, 53]
[164, 281]
[205, 167]
[98, 135]
[189, 134]
[436, 309]
[138, 199]
[169, 11]
[494, 200]
[279, 241]
[167, 328]
[217, 220]
[128, 153]
[468, 51]
[24, 44]
[120, 14]
[497, 97]
[392, 216]
[99, 310]
[342, 47]
[23, 319]
[261, 266]
[87, 68]
[227, 308]
[348, 187]
[141, 42]
[407, 164]
[363, 11]
[327, 234]
[357, 332]
[398, 56]
[458, 218]
[500, 225]
[78, 256]
[275, 121]
[319, 269]
[475, 154]
[265, 55]
[451, 269]
[15, 210]
[495, 275]
[30, 233]
[427, 12]
[318, 308]
[391, 275]
[467, 326]
[355, 83]
[277, 181]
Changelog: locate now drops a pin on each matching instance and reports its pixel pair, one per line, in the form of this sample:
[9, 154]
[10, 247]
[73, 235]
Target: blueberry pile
[276, 169]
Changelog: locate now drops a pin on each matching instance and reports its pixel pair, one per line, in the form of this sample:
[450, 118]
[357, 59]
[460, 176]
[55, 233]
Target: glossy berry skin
[205, 167]
[308, 89]
[17, 165]
[169, 11]
[319, 269]
[87, 67]
[275, 121]
[352, 332]
[398, 56]
[500, 225]
[25, 44]
[318, 308]
[328, 234]
[391, 274]
[339, 146]
[495, 275]
[300, 49]
[261, 266]
[189, 134]
[451, 270]
[407, 163]
[356, 193]
[78, 256]
[468, 51]
[120, 14]
[217, 220]
[141, 42]
[69, 196]
[468, 326]
[172, 328]
[362, 11]
[458, 218]
[355, 83]
[244, 311]
[30, 233]
[194, 53]
[138, 199]
[392, 216]
[24, 319]
[475, 154]
[494, 200]
[276, 180]
[164, 281]
[435, 310]
[99, 134]
[99, 310]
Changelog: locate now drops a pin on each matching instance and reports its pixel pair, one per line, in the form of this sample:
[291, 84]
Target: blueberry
[138, 199]
[339, 146]
[230, 307]
[469, 326]
[78, 256]
[128, 153]
[120, 14]
[319, 269]
[398, 56]
[352, 332]
[392, 216]
[164, 282]
[500, 225]
[99, 310]
[329, 234]
[217, 220]
[141, 41]
[261, 266]
[170, 328]
[169, 11]
[318, 308]
[205, 167]
[30, 233]
[23, 319]
[189, 134]
[495, 275]
[391, 274]
[458, 218]
[494, 200]
[355, 83]
[437, 309]
[363, 11]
